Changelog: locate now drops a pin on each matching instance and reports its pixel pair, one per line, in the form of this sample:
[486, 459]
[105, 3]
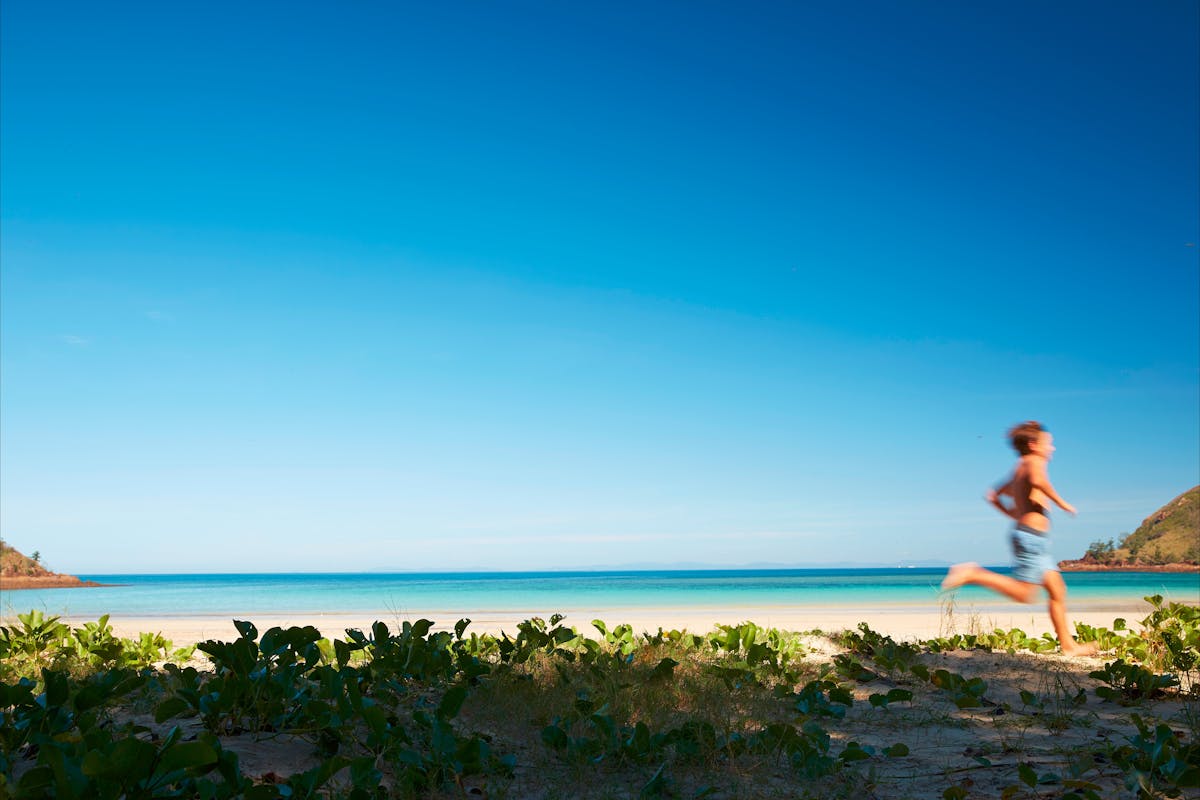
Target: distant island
[1167, 541]
[18, 571]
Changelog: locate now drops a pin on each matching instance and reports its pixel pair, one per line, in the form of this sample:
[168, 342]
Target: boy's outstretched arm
[1040, 479]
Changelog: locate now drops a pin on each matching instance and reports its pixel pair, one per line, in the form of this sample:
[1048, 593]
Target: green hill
[1171, 534]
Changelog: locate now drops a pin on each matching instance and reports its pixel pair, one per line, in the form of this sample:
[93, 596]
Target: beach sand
[903, 622]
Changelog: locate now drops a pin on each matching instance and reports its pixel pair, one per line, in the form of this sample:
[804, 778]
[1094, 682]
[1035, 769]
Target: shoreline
[16, 583]
[1089, 566]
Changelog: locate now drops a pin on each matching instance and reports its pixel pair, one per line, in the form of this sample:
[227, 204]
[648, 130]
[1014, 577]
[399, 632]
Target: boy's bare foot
[958, 575]
[1077, 649]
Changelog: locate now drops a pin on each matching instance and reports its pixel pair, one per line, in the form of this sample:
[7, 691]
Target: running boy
[1026, 497]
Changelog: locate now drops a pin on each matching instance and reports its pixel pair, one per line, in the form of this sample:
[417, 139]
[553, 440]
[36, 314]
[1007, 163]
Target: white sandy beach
[902, 622]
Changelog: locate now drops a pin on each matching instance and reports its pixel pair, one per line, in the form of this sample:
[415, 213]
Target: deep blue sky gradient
[532, 285]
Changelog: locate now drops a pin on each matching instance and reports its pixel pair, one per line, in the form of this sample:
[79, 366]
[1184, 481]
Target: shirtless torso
[1031, 506]
[1029, 490]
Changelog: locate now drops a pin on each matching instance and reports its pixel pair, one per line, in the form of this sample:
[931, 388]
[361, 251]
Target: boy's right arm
[994, 496]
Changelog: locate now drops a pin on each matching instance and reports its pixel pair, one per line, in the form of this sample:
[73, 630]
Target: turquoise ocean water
[543, 593]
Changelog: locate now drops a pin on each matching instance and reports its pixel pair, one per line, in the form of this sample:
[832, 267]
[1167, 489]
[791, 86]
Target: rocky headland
[18, 571]
[1167, 541]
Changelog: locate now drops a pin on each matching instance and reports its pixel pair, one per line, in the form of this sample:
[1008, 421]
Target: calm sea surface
[544, 593]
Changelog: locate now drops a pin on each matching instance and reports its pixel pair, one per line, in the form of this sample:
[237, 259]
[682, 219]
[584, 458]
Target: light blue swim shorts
[1031, 554]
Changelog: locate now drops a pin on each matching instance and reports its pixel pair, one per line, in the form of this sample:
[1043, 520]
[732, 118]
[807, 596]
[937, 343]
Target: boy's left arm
[1039, 479]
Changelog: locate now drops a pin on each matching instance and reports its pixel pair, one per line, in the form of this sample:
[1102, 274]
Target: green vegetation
[42, 643]
[1101, 552]
[551, 712]
[1169, 639]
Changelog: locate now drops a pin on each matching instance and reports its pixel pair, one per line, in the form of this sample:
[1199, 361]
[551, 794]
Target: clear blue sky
[292, 286]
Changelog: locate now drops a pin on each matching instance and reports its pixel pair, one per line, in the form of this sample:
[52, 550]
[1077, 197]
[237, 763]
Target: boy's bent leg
[972, 573]
[1057, 589]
